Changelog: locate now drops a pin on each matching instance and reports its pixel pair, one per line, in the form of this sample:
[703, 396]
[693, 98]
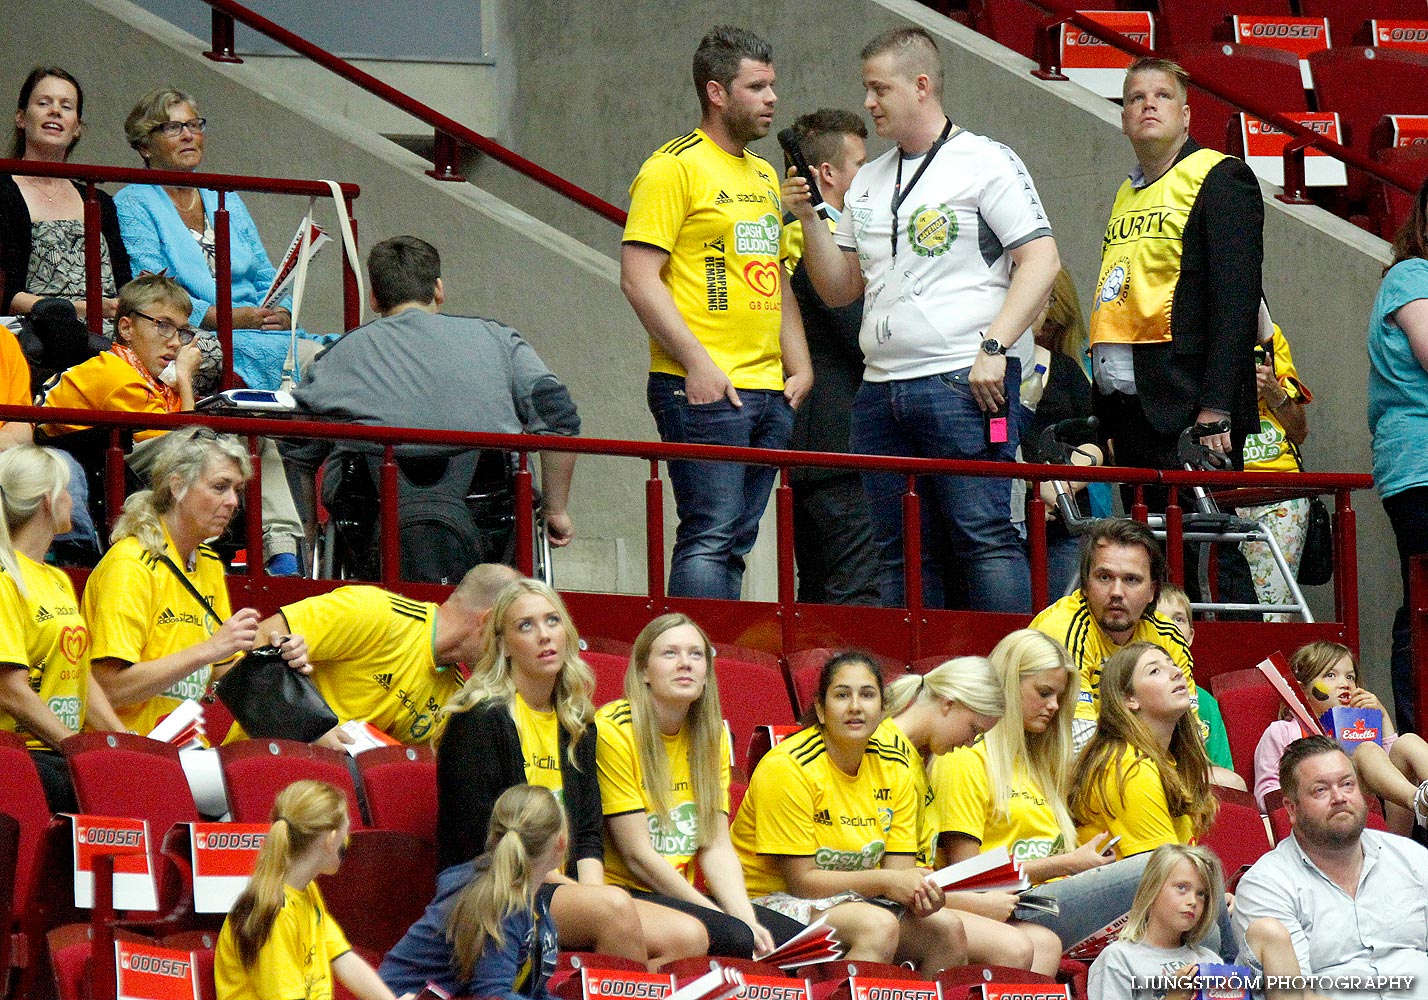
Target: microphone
[793, 157]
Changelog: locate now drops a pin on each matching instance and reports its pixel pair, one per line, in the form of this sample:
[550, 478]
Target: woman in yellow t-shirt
[949, 707]
[663, 760]
[525, 717]
[1144, 776]
[279, 942]
[829, 829]
[46, 691]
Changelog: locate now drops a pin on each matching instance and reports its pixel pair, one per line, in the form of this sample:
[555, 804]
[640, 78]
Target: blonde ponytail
[967, 680]
[303, 812]
[525, 821]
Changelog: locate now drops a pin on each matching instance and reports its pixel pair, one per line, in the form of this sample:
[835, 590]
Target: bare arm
[1412, 319]
[25, 706]
[835, 273]
[640, 267]
[557, 469]
[588, 871]
[1034, 267]
[99, 714]
[630, 833]
[1286, 409]
[133, 683]
[725, 878]
[14, 433]
[897, 880]
[353, 972]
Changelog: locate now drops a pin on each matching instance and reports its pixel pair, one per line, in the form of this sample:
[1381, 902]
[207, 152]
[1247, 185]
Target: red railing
[1049, 56]
[1341, 485]
[450, 135]
[92, 174]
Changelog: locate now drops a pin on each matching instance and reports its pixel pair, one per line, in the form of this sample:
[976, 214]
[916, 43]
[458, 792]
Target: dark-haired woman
[1398, 420]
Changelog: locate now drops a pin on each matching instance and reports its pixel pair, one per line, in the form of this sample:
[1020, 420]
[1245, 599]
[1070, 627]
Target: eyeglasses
[167, 330]
[172, 129]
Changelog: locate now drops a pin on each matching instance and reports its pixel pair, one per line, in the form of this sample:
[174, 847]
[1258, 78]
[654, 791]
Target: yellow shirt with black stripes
[799, 804]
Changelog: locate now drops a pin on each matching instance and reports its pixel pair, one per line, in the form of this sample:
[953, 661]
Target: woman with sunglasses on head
[171, 228]
[151, 369]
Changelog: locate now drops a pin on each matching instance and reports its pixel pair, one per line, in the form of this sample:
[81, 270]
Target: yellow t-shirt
[43, 631]
[373, 658]
[719, 218]
[1028, 829]
[1269, 448]
[927, 809]
[1069, 621]
[138, 611]
[104, 382]
[800, 805]
[622, 790]
[295, 963]
[1139, 815]
[540, 742]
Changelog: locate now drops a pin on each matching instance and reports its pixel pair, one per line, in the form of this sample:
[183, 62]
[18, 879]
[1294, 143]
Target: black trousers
[833, 542]
[729, 937]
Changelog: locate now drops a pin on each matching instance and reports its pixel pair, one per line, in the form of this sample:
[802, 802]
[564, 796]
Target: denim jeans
[936, 417]
[719, 503]
[81, 521]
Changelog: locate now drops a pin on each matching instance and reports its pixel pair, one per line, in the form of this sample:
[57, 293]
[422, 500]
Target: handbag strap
[349, 249]
[188, 585]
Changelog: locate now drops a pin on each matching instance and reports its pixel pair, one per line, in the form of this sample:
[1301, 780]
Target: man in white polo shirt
[946, 236]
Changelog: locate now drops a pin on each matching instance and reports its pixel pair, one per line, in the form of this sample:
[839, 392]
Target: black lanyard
[899, 195]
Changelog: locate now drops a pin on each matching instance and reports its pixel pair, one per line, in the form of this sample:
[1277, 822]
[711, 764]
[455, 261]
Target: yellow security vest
[1140, 255]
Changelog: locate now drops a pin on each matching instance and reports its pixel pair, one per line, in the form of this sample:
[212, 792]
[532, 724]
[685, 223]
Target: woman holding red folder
[828, 830]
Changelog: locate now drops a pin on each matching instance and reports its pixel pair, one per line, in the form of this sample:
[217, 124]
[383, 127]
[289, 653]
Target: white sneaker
[1420, 805]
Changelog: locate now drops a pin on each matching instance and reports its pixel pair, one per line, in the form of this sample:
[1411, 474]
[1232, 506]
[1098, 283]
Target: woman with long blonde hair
[663, 759]
[488, 933]
[279, 941]
[526, 717]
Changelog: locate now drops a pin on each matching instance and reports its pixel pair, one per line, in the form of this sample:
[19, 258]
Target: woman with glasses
[171, 229]
[151, 369]
[42, 262]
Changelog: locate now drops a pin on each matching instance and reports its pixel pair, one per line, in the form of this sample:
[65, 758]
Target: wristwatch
[993, 346]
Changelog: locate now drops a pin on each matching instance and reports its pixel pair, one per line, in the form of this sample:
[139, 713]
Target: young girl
[46, 691]
[525, 717]
[488, 933]
[1397, 772]
[829, 828]
[951, 706]
[663, 760]
[1144, 776]
[279, 942]
[1174, 910]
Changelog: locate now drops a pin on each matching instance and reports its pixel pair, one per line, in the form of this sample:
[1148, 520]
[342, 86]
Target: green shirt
[1217, 741]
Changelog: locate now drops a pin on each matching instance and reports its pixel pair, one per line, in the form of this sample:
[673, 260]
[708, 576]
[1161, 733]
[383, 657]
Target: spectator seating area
[1363, 76]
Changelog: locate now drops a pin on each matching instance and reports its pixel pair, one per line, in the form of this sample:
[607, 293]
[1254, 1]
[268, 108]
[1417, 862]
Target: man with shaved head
[946, 241]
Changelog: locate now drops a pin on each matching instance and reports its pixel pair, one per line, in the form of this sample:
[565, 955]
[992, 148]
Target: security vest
[1140, 255]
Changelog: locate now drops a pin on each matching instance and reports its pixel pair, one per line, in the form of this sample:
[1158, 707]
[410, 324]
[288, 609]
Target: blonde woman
[525, 717]
[487, 933]
[279, 942]
[952, 706]
[46, 691]
[664, 786]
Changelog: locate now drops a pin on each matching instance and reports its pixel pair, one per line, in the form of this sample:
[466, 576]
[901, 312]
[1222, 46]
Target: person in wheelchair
[417, 367]
[150, 369]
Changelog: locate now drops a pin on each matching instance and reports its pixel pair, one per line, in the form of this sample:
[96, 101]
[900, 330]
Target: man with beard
[700, 266]
[1122, 571]
[1353, 902]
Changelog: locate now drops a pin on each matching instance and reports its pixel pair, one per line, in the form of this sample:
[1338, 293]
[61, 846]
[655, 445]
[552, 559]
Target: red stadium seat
[1186, 23]
[805, 665]
[1390, 206]
[609, 671]
[1249, 704]
[564, 982]
[599, 644]
[1275, 76]
[255, 771]
[1008, 22]
[686, 970]
[386, 880]
[750, 695]
[400, 783]
[106, 768]
[9, 854]
[22, 797]
[1237, 836]
[1346, 17]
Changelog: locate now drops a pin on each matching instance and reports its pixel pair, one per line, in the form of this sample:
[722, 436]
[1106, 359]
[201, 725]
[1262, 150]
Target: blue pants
[719, 503]
[937, 417]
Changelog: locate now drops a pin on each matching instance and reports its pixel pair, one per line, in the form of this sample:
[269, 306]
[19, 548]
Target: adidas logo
[723, 198]
[821, 817]
[383, 679]
[42, 615]
[167, 617]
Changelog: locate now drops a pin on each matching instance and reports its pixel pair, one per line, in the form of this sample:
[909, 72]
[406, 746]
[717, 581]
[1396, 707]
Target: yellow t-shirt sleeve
[963, 792]
[14, 371]
[790, 249]
[335, 940]
[617, 765]
[117, 609]
[784, 806]
[13, 617]
[339, 625]
[659, 203]
[725, 753]
[903, 835]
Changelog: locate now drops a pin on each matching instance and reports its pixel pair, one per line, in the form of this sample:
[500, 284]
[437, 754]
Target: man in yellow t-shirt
[386, 659]
[800, 804]
[1122, 571]
[700, 266]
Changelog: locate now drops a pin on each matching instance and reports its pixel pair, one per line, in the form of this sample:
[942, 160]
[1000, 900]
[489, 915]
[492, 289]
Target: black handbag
[269, 699]
[1316, 564]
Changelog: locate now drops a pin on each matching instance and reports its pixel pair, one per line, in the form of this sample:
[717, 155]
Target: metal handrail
[450, 134]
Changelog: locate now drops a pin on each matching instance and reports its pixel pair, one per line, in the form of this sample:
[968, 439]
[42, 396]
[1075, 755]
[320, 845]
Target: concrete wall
[593, 99]
[498, 262]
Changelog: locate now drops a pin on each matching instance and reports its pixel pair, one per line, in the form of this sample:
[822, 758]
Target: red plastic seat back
[255, 771]
[1391, 206]
[1346, 17]
[120, 774]
[1237, 836]
[400, 783]
[1275, 76]
[1249, 704]
[1363, 85]
[1011, 23]
[609, 671]
[22, 796]
[386, 880]
[1186, 23]
[750, 695]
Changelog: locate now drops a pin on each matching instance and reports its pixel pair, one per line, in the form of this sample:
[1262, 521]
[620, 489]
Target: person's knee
[611, 913]
[1013, 948]
[677, 935]
[876, 932]
[950, 931]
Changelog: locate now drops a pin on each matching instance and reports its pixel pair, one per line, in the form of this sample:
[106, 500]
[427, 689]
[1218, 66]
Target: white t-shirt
[929, 314]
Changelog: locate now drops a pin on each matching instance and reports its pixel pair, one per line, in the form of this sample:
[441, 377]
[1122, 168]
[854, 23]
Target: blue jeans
[81, 520]
[936, 417]
[719, 503]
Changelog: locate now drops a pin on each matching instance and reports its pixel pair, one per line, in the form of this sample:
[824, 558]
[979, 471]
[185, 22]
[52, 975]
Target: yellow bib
[1140, 255]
